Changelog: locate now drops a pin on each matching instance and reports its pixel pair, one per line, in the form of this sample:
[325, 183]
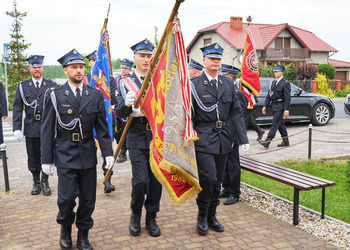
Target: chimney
[235, 22]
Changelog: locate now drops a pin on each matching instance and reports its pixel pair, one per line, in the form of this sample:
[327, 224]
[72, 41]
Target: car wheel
[321, 115]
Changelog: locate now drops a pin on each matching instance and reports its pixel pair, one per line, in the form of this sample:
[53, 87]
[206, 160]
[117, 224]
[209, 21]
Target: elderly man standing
[71, 112]
[30, 97]
[217, 117]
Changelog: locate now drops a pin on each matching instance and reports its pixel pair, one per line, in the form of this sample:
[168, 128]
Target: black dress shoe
[134, 225]
[109, 187]
[202, 222]
[284, 143]
[83, 240]
[214, 224]
[260, 134]
[231, 200]
[45, 184]
[151, 225]
[223, 194]
[66, 238]
[36, 185]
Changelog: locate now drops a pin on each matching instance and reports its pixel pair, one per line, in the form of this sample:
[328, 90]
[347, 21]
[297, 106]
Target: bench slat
[275, 170]
[286, 174]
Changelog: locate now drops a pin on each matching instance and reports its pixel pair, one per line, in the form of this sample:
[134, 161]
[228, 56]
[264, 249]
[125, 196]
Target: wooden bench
[296, 179]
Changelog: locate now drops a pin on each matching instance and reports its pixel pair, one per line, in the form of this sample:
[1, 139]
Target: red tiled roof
[263, 35]
[339, 64]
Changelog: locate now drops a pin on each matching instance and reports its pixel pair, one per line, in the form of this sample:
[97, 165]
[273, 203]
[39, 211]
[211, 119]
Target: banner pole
[144, 84]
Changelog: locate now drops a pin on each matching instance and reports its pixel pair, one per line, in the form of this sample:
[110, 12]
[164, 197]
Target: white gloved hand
[48, 169]
[136, 112]
[18, 134]
[130, 98]
[109, 162]
[245, 147]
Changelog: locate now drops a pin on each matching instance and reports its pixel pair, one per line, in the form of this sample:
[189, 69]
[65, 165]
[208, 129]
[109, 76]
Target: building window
[206, 41]
[278, 44]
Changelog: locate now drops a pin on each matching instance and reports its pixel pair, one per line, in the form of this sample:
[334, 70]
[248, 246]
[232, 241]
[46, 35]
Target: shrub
[306, 71]
[343, 92]
[290, 71]
[322, 86]
[266, 71]
[327, 70]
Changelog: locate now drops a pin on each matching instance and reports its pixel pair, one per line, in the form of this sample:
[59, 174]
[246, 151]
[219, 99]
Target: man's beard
[75, 80]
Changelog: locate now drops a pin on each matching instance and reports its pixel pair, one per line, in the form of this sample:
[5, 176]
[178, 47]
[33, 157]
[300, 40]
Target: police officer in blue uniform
[194, 68]
[30, 97]
[71, 112]
[215, 107]
[109, 187]
[279, 97]
[144, 183]
[125, 72]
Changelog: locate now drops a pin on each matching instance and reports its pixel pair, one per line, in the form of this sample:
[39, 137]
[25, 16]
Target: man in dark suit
[70, 114]
[120, 122]
[231, 180]
[215, 107]
[279, 97]
[109, 187]
[144, 183]
[30, 95]
[3, 112]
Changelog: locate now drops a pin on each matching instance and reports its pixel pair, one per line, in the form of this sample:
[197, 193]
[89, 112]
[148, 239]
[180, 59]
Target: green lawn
[337, 197]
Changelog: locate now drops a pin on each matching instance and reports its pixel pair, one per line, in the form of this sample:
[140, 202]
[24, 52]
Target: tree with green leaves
[16, 66]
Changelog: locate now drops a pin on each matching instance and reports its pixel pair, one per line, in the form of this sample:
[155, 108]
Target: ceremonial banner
[100, 78]
[250, 71]
[167, 106]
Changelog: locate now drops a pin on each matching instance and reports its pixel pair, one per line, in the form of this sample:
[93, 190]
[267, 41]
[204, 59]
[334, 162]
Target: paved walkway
[29, 222]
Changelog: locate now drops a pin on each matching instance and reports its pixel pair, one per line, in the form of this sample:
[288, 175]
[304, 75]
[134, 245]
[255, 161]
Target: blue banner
[100, 78]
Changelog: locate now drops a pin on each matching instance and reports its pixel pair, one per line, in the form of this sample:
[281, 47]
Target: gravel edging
[329, 229]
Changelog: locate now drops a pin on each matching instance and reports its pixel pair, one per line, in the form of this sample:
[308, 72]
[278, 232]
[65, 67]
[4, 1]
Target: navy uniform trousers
[137, 142]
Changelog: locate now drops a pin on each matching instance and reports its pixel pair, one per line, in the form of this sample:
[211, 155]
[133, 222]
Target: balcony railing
[285, 53]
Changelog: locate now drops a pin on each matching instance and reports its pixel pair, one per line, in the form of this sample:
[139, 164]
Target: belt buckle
[218, 124]
[76, 137]
[37, 117]
[148, 126]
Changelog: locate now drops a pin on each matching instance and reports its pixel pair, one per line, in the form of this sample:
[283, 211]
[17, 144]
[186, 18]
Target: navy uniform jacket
[3, 101]
[136, 137]
[280, 99]
[31, 125]
[217, 140]
[66, 153]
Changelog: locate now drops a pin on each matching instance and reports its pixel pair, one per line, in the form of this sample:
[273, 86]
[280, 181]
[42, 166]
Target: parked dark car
[347, 104]
[305, 106]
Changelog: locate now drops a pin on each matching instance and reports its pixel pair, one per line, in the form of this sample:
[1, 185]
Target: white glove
[130, 98]
[136, 112]
[245, 147]
[48, 169]
[18, 134]
[109, 162]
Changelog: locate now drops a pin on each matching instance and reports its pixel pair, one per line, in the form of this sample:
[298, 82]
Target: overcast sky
[54, 27]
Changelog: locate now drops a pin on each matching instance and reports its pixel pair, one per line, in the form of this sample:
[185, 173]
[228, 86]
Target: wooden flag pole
[145, 83]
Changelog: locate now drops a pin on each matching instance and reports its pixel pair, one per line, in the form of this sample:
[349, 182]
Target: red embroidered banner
[167, 106]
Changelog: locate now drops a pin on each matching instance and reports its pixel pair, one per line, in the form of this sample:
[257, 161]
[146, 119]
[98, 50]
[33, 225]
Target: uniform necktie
[215, 88]
[78, 97]
[37, 87]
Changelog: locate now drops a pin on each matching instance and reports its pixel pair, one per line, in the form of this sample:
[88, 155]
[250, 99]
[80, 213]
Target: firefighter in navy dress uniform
[3, 112]
[279, 98]
[194, 68]
[120, 122]
[109, 187]
[30, 97]
[71, 112]
[146, 190]
[217, 115]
